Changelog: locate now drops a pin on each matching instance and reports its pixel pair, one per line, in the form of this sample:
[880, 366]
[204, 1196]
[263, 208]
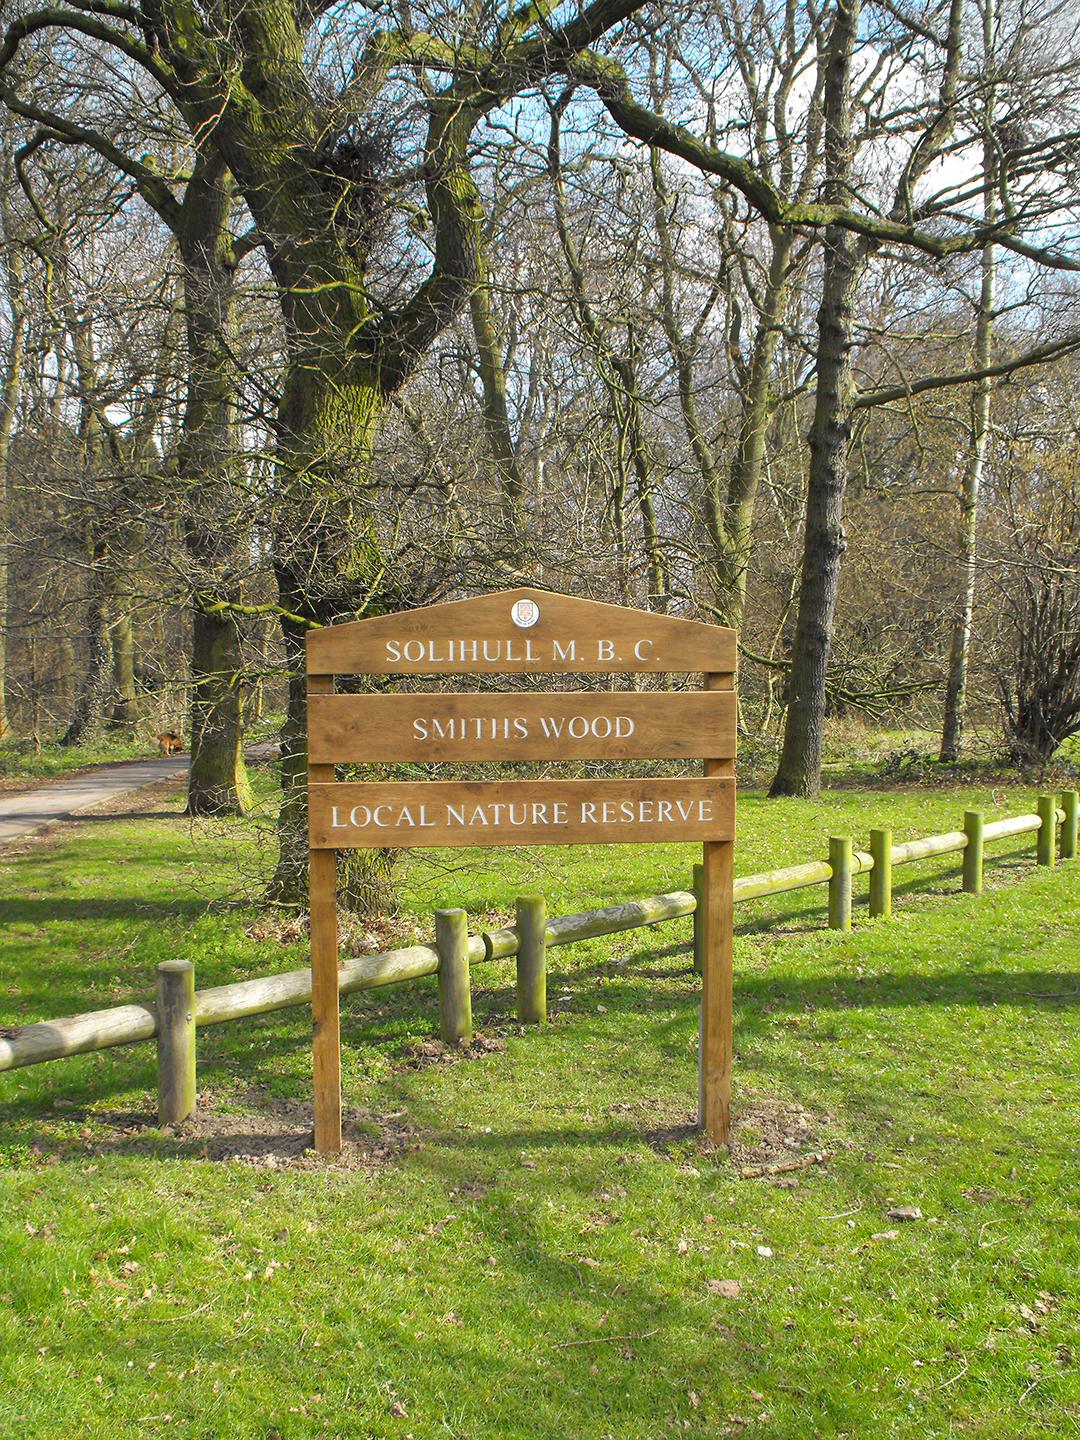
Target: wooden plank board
[520, 630]
[520, 812]
[574, 725]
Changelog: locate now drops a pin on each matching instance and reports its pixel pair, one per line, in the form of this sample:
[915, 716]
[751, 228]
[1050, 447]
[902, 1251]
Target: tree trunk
[728, 499]
[956, 687]
[799, 771]
[217, 779]
[125, 710]
[952, 728]
[332, 570]
[9, 398]
[94, 691]
[496, 414]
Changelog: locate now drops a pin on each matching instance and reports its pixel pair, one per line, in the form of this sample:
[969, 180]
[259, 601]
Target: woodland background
[763, 314]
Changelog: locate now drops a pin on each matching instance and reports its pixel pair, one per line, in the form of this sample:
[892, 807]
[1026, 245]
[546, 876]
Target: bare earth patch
[269, 1133]
[766, 1135]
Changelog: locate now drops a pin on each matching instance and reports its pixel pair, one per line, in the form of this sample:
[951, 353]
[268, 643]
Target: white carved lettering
[521, 726]
[335, 823]
[663, 810]
[498, 651]
[608, 805]
[558, 813]
[360, 823]
[443, 734]
[558, 653]
[419, 646]
[528, 651]
[539, 814]
[601, 720]
[605, 650]
[644, 805]
[552, 727]
[701, 804]
[424, 821]
[579, 720]
[375, 815]
[463, 657]
[588, 812]
[627, 809]
[637, 649]
[454, 815]
[420, 729]
[393, 650]
[524, 815]
[620, 721]
[405, 818]
[685, 813]
[435, 659]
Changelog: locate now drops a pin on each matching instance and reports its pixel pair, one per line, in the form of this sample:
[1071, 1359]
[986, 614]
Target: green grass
[18, 757]
[555, 1195]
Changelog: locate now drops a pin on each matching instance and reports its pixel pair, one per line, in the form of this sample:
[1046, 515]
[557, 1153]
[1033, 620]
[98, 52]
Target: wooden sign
[519, 812]
[574, 725]
[525, 630]
[518, 630]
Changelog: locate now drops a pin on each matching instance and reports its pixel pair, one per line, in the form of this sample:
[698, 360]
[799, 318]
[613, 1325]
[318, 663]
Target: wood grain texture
[479, 636]
[519, 812]
[714, 1073]
[325, 1041]
[559, 725]
[715, 932]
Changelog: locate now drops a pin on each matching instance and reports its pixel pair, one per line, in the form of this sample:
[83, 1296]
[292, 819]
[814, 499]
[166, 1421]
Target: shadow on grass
[54, 910]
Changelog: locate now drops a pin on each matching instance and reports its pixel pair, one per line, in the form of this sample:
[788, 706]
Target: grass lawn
[530, 1240]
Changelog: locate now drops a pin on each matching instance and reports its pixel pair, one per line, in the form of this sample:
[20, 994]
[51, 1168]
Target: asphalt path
[33, 810]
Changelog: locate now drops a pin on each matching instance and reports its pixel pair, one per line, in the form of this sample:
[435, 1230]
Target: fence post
[175, 1040]
[881, 874]
[455, 1001]
[1069, 803]
[699, 896]
[840, 883]
[531, 925]
[973, 852]
[1045, 846]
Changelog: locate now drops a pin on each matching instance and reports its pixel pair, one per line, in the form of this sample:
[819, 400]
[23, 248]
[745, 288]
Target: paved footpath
[32, 810]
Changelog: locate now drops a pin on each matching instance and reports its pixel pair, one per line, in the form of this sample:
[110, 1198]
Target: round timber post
[455, 1001]
[1069, 803]
[176, 1040]
[531, 925]
[881, 874]
[973, 852]
[1046, 843]
[840, 884]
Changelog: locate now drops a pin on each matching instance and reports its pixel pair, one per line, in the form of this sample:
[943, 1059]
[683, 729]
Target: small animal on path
[169, 742]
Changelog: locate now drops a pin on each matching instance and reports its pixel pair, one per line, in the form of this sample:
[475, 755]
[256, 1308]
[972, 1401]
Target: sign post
[513, 632]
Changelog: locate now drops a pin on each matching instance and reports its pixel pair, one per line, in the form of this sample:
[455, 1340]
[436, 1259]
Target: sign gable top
[520, 629]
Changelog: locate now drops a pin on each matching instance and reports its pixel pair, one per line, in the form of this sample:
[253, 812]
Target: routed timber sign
[512, 632]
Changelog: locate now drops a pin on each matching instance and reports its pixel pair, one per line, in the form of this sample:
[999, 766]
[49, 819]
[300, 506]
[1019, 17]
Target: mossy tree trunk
[211, 508]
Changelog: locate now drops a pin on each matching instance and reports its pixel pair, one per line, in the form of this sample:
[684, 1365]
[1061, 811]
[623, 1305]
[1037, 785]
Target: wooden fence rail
[182, 1009]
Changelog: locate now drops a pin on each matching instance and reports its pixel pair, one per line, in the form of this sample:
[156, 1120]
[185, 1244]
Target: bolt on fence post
[881, 874]
[1045, 846]
[1070, 803]
[531, 925]
[840, 883]
[455, 1000]
[699, 896]
[175, 1040]
[973, 852]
